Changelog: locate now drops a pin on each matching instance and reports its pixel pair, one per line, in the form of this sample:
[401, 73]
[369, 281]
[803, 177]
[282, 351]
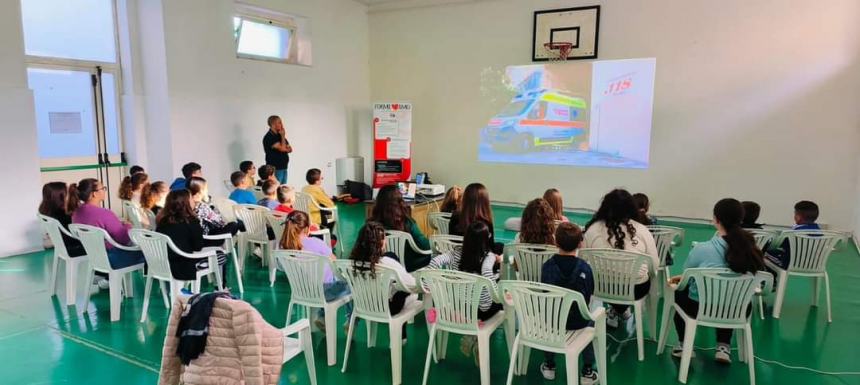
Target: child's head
[266, 172]
[643, 204]
[313, 176]
[553, 198]
[476, 245]
[247, 167]
[297, 224]
[568, 237]
[286, 195]
[270, 189]
[134, 170]
[805, 212]
[192, 169]
[369, 246]
[537, 223]
[238, 180]
[751, 212]
[451, 203]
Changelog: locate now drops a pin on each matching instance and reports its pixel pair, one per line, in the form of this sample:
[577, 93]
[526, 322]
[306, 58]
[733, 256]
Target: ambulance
[537, 120]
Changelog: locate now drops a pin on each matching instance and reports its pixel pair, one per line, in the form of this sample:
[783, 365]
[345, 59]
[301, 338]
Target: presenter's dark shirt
[275, 158]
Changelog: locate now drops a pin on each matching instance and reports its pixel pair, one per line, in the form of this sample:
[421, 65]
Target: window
[264, 40]
[263, 34]
[80, 29]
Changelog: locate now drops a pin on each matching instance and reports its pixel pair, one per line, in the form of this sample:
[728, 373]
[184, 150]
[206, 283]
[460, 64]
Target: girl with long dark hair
[369, 252]
[614, 227]
[451, 203]
[553, 198]
[731, 247]
[391, 211]
[179, 222]
[474, 207]
[54, 205]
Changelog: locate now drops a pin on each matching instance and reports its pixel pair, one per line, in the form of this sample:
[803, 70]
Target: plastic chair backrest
[304, 202]
[762, 237]
[439, 221]
[370, 290]
[131, 212]
[154, 246]
[277, 221]
[724, 295]
[440, 244]
[258, 192]
[810, 249]
[225, 207]
[530, 258]
[305, 273]
[666, 238]
[456, 297]
[615, 272]
[94, 241]
[396, 241]
[55, 232]
[542, 311]
[255, 221]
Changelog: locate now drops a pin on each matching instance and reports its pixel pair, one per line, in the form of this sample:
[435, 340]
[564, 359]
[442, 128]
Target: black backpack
[358, 190]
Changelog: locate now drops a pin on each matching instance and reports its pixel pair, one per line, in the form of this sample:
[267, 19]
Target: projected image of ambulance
[538, 119]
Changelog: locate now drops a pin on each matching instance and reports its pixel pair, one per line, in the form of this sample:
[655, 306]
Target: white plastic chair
[440, 244]
[305, 202]
[258, 192]
[529, 259]
[277, 221]
[230, 247]
[255, 219]
[303, 344]
[155, 249]
[133, 213]
[809, 252]
[225, 207]
[667, 238]
[615, 276]
[456, 296]
[370, 295]
[724, 297]
[305, 272]
[542, 312]
[55, 232]
[439, 221]
[396, 242]
[94, 238]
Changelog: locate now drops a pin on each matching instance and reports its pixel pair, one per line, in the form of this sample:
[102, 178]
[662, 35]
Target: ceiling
[390, 5]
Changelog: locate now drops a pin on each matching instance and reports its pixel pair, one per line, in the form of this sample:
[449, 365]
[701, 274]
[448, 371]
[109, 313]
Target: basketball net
[557, 51]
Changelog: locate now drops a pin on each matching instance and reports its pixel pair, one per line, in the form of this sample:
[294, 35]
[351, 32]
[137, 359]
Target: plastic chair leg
[484, 357]
[308, 349]
[53, 282]
[289, 314]
[128, 284]
[640, 339]
[165, 294]
[238, 269]
[601, 353]
[331, 334]
[512, 367]
[827, 296]
[349, 332]
[782, 279]
[430, 347]
[748, 343]
[668, 313]
[147, 289]
[687, 355]
[816, 286]
[396, 344]
[71, 282]
[572, 365]
[115, 296]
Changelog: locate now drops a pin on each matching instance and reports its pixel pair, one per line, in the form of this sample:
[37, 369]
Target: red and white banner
[392, 143]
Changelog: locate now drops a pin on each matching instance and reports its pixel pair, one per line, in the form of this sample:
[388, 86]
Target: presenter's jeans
[281, 175]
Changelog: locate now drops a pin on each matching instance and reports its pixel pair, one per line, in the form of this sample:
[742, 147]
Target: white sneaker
[547, 371]
[102, 282]
[678, 350]
[611, 318]
[723, 354]
[588, 377]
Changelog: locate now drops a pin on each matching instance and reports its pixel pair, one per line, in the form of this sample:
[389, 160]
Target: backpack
[358, 190]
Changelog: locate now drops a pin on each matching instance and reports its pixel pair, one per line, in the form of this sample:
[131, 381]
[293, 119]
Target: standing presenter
[277, 148]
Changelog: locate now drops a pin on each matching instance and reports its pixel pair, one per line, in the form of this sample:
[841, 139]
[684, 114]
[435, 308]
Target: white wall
[218, 104]
[19, 201]
[756, 100]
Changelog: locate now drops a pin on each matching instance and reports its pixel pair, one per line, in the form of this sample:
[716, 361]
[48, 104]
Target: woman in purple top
[297, 237]
[85, 204]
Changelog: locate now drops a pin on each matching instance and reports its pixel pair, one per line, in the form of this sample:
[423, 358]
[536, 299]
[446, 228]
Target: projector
[431, 190]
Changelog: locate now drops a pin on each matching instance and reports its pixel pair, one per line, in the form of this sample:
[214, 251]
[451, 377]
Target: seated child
[805, 215]
[247, 167]
[566, 270]
[240, 194]
[270, 192]
[266, 172]
[751, 213]
[286, 198]
[316, 191]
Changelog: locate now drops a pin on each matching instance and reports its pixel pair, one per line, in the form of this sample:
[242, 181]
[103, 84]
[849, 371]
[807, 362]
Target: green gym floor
[42, 341]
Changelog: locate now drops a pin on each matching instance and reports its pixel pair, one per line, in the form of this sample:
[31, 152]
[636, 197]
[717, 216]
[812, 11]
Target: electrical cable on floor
[766, 361]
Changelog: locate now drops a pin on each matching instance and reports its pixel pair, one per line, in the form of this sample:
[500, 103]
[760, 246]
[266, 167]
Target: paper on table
[386, 128]
[398, 149]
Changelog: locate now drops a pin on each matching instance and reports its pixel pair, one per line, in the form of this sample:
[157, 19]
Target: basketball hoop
[557, 51]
